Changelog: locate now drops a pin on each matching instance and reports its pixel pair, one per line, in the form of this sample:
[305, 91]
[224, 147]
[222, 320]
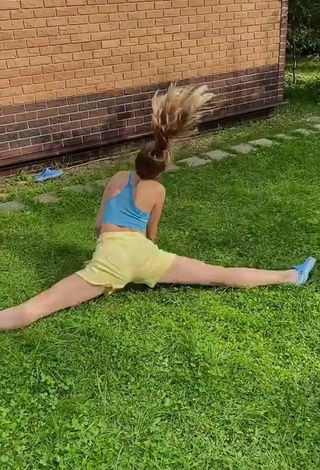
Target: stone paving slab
[193, 162]
[217, 154]
[89, 187]
[172, 167]
[47, 198]
[302, 131]
[11, 206]
[283, 137]
[77, 188]
[317, 127]
[102, 183]
[314, 119]
[243, 149]
[262, 143]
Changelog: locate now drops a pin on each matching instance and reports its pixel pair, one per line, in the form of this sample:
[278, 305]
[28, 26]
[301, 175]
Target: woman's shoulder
[150, 185]
[120, 175]
[154, 191]
[154, 185]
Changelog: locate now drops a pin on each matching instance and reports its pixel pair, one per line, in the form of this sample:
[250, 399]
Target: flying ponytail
[175, 114]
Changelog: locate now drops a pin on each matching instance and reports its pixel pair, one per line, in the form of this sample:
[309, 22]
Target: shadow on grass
[304, 91]
[56, 261]
[307, 87]
[52, 260]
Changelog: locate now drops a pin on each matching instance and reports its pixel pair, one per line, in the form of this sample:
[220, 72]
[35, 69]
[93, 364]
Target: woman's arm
[152, 228]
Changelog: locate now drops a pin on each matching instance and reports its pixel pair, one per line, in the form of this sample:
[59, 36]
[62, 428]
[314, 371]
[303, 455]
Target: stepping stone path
[217, 154]
[11, 206]
[47, 198]
[302, 131]
[262, 143]
[243, 149]
[283, 137]
[193, 162]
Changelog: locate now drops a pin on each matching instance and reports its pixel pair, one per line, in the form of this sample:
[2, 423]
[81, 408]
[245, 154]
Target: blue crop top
[121, 210]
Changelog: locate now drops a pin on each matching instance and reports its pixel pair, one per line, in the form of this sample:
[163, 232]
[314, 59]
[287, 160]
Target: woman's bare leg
[191, 271]
[69, 292]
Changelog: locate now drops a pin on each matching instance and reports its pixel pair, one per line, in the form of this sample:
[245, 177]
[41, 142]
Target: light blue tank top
[121, 210]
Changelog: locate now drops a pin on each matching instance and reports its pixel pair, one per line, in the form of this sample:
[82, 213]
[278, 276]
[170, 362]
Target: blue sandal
[47, 174]
[304, 270]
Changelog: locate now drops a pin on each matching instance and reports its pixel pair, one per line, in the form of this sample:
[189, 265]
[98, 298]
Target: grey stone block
[47, 198]
[314, 119]
[82, 188]
[172, 167]
[283, 137]
[89, 188]
[77, 188]
[262, 143]
[302, 131]
[102, 183]
[11, 206]
[193, 162]
[217, 154]
[243, 149]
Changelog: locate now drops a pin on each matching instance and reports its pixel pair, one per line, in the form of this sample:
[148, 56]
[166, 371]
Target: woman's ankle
[291, 276]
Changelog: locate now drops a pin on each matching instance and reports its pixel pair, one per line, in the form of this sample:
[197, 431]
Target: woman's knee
[21, 317]
[36, 307]
[191, 271]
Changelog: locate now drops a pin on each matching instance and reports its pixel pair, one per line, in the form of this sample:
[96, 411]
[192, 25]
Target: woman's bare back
[147, 194]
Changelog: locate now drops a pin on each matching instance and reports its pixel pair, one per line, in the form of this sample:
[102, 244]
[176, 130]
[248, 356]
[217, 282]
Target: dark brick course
[44, 127]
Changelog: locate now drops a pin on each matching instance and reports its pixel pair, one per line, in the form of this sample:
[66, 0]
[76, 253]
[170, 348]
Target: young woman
[127, 224]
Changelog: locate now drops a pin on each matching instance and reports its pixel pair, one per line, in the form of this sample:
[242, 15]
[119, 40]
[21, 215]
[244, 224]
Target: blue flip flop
[304, 270]
[47, 174]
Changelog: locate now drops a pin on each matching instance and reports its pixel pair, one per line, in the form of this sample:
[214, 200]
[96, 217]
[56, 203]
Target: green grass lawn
[176, 378]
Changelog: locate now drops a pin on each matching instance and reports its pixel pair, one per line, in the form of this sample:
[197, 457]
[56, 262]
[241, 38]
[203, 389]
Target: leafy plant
[303, 29]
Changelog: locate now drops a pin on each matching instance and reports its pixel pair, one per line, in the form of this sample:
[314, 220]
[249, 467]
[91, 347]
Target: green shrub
[304, 29]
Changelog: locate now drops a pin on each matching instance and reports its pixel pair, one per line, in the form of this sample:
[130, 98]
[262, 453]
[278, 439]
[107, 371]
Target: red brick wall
[82, 72]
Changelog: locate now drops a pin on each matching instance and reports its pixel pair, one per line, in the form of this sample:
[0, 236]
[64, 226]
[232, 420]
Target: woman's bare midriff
[116, 228]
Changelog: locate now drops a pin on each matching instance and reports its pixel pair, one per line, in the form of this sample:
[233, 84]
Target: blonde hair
[175, 114]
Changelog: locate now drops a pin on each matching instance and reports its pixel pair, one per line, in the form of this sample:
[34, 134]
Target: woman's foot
[300, 273]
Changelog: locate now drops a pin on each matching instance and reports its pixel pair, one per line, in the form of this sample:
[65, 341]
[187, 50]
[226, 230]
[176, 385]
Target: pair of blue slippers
[47, 174]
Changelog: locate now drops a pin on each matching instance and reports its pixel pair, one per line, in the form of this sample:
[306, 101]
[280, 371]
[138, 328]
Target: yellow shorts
[126, 257]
